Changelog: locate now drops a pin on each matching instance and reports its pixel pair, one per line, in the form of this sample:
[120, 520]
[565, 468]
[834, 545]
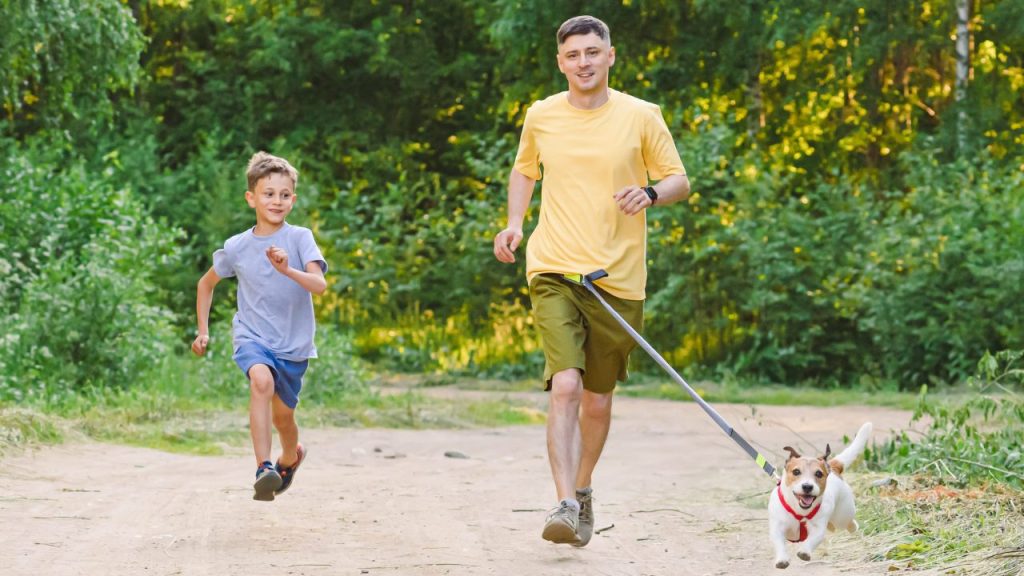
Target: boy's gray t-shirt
[273, 310]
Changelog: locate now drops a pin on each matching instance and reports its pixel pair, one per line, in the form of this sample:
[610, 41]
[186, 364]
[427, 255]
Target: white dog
[811, 497]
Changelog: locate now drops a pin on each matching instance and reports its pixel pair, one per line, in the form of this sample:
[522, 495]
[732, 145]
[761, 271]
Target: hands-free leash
[587, 280]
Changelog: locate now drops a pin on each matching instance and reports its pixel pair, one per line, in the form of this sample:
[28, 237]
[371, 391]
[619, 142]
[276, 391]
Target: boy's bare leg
[261, 391]
[287, 431]
[563, 430]
[595, 420]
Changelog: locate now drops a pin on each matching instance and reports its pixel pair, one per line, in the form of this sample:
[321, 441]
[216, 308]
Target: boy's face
[585, 60]
[273, 199]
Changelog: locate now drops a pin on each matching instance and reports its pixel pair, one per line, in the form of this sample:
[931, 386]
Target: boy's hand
[278, 258]
[199, 344]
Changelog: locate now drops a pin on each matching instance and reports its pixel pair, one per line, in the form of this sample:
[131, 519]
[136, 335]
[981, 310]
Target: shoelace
[558, 510]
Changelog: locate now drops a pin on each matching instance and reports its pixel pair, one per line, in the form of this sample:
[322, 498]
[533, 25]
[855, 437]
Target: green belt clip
[579, 278]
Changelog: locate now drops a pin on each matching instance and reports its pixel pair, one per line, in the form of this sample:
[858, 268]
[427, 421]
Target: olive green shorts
[577, 332]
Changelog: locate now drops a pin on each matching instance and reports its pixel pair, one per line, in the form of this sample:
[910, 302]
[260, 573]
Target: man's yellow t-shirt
[583, 157]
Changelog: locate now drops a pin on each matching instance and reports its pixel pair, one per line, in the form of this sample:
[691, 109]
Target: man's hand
[632, 200]
[505, 244]
[199, 344]
[278, 258]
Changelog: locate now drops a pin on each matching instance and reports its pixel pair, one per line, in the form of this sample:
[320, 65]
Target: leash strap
[587, 281]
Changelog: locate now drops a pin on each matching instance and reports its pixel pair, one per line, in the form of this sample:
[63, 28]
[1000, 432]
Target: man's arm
[671, 189]
[520, 191]
[204, 297]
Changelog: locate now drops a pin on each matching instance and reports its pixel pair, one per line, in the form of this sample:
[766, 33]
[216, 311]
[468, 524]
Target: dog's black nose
[807, 488]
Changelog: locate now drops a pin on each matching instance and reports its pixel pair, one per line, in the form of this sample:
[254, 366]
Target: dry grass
[913, 526]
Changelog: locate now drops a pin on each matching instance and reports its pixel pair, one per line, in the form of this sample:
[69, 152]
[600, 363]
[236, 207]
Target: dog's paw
[805, 556]
[782, 564]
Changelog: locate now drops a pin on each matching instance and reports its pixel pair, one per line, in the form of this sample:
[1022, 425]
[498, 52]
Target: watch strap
[651, 193]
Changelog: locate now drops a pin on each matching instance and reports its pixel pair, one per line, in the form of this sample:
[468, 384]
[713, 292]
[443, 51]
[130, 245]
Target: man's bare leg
[563, 433]
[595, 421]
[564, 430]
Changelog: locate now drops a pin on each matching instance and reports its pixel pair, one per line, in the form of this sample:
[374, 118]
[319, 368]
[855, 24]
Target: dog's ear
[792, 453]
[824, 459]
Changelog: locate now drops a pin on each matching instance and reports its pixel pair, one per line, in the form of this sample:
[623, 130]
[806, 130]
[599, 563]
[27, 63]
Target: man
[597, 147]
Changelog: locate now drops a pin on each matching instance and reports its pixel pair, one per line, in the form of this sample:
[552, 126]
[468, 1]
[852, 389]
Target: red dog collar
[802, 519]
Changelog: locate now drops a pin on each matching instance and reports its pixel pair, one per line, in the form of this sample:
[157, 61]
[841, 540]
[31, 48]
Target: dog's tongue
[806, 500]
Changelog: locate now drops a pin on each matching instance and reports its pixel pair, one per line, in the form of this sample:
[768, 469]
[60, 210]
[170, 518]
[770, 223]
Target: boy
[278, 267]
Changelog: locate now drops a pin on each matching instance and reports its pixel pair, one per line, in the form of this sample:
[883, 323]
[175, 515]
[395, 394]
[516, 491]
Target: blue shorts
[287, 373]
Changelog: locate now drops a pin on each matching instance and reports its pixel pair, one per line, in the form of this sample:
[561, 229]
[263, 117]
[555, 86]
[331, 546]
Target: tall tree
[63, 62]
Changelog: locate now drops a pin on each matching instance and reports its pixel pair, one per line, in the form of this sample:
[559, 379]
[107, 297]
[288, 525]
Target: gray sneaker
[586, 525]
[560, 526]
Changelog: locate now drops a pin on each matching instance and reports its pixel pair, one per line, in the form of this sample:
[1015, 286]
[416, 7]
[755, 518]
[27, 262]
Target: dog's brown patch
[800, 469]
[836, 466]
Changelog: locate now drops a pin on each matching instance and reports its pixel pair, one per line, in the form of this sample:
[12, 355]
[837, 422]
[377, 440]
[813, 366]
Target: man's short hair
[262, 164]
[583, 25]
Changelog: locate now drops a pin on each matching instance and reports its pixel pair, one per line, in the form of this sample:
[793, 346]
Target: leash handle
[587, 280]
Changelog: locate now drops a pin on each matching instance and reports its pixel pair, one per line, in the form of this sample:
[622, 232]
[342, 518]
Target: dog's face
[805, 477]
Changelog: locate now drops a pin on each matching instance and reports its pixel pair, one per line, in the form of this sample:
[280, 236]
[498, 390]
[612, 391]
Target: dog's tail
[849, 454]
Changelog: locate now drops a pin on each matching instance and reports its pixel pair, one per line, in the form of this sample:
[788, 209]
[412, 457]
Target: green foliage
[977, 441]
[826, 285]
[64, 63]
[80, 277]
[945, 270]
[844, 229]
[507, 349]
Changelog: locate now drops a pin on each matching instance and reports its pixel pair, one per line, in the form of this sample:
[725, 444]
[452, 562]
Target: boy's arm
[312, 279]
[204, 296]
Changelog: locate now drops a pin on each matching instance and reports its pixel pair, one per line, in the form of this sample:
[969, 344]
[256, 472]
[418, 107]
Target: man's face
[585, 60]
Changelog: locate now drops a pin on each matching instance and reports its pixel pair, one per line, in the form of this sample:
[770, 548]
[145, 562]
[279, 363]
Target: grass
[200, 406]
[647, 386]
[910, 523]
[22, 426]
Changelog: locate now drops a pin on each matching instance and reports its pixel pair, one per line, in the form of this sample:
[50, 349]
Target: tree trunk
[963, 14]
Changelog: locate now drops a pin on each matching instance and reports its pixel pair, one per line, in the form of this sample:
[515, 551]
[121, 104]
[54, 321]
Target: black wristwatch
[651, 193]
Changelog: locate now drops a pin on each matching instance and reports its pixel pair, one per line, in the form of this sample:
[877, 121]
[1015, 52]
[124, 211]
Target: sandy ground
[674, 496]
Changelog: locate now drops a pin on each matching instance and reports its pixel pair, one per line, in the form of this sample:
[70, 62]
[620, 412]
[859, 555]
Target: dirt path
[675, 495]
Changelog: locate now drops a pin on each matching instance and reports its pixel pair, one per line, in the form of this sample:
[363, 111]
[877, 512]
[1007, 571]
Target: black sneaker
[287, 473]
[268, 481]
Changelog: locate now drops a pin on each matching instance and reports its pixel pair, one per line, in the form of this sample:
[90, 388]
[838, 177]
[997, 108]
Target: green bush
[973, 441]
[80, 279]
[943, 276]
[843, 281]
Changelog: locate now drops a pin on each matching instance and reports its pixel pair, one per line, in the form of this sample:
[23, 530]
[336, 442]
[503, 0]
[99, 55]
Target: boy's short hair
[583, 25]
[262, 164]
